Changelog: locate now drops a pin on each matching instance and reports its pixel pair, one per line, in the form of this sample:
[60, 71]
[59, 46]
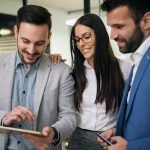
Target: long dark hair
[110, 81]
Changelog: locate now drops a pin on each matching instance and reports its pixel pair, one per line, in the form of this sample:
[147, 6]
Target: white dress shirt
[136, 59]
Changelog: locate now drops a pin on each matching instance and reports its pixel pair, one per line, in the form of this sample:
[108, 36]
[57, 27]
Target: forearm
[67, 114]
[66, 125]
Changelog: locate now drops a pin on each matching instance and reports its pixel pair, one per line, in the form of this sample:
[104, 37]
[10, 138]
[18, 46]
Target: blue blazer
[133, 122]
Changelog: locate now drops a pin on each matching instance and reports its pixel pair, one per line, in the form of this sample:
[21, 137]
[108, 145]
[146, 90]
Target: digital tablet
[21, 131]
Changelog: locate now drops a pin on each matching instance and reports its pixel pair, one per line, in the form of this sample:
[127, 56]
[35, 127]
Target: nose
[31, 49]
[81, 43]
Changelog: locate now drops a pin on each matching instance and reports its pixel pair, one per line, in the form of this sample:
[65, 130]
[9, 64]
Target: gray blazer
[53, 99]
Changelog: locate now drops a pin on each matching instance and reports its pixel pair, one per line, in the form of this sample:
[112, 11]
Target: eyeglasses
[86, 38]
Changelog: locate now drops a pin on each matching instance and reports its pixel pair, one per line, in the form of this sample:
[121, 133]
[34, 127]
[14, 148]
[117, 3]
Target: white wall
[10, 6]
[60, 35]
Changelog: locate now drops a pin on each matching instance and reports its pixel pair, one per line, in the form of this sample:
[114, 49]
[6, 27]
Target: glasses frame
[77, 42]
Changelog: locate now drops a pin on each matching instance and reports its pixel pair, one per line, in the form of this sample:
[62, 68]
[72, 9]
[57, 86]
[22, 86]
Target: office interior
[62, 12]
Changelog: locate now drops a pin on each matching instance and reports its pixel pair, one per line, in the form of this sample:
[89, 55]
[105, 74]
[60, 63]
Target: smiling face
[85, 41]
[124, 31]
[32, 41]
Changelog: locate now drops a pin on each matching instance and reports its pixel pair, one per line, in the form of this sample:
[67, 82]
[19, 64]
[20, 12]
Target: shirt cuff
[2, 120]
[56, 137]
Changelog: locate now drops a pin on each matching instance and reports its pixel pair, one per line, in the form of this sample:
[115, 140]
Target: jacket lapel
[139, 74]
[123, 107]
[41, 80]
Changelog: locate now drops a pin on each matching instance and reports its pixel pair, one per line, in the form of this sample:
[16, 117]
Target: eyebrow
[23, 38]
[85, 34]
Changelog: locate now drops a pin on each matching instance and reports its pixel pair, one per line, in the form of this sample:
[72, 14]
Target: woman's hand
[106, 134]
[56, 58]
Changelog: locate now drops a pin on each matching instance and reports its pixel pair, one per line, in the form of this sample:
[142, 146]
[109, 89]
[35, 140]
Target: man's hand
[18, 114]
[120, 143]
[42, 142]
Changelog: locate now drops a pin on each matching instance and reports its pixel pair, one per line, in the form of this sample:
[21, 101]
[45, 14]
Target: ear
[49, 36]
[146, 21]
[15, 31]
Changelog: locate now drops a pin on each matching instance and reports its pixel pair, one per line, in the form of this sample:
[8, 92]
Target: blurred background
[64, 13]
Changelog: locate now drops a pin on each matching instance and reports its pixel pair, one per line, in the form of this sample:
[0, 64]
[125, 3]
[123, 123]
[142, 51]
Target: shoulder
[61, 66]
[7, 57]
[62, 72]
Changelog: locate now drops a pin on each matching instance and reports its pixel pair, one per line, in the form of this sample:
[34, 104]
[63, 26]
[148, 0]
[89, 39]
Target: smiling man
[36, 94]
[130, 28]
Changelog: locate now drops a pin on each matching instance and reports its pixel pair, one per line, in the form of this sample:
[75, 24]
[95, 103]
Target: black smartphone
[104, 139]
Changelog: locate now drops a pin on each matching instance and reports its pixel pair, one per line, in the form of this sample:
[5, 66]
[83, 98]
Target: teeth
[85, 50]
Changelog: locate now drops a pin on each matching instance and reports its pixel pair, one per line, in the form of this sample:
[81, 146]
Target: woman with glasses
[99, 82]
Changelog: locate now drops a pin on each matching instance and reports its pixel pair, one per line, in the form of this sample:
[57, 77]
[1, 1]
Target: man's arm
[67, 121]
[67, 115]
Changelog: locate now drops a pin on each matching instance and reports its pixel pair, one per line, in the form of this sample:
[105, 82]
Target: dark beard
[135, 41]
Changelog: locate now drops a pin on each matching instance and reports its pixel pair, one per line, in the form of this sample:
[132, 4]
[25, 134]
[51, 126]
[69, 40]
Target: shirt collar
[141, 50]
[87, 65]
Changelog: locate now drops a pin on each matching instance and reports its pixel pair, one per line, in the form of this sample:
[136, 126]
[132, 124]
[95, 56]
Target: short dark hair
[34, 14]
[137, 7]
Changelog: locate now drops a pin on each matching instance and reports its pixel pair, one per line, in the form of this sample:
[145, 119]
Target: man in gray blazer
[35, 94]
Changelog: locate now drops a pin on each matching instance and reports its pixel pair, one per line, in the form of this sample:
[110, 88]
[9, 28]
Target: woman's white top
[93, 116]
